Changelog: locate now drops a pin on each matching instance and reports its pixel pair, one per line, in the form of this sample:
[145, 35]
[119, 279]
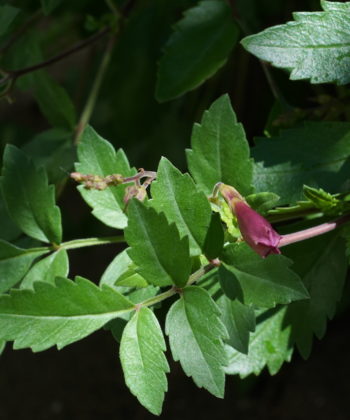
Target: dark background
[85, 381]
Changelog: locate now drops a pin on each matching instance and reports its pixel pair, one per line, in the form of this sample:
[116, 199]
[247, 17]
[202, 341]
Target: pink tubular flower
[255, 230]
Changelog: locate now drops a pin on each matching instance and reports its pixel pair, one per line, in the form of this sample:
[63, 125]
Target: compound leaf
[58, 315]
[195, 334]
[142, 357]
[314, 46]
[220, 151]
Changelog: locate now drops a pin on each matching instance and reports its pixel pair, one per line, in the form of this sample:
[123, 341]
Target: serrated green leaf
[269, 346]
[176, 195]
[58, 315]
[156, 248]
[200, 44]
[122, 272]
[322, 265]
[29, 198]
[14, 263]
[7, 16]
[195, 335]
[314, 46]
[48, 6]
[335, 5]
[53, 101]
[316, 154]
[220, 151]
[261, 282]
[239, 321]
[98, 157]
[47, 269]
[142, 357]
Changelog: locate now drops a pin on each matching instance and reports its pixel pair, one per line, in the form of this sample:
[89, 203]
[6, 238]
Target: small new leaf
[98, 157]
[14, 263]
[196, 336]
[177, 196]
[198, 47]
[29, 198]
[58, 315]
[315, 46]
[142, 357]
[261, 282]
[156, 248]
[220, 151]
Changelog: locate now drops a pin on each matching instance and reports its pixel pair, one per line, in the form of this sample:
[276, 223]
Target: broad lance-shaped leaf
[196, 336]
[269, 346]
[200, 44]
[315, 46]
[47, 269]
[98, 157]
[142, 357]
[14, 263]
[58, 315]
[176, 195]
[314, 154]
[220, 151]
[261, 282]
[29, 198]
[156, 248]
[322, 265]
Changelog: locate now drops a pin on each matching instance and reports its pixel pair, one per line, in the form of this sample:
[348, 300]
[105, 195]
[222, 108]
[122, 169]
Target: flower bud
[255, 229]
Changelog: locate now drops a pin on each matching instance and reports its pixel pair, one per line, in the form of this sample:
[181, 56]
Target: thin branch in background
[90, 103]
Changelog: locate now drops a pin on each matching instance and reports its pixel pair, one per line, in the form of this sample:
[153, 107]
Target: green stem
[91, 101]
[171, 292]
[80, 243]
